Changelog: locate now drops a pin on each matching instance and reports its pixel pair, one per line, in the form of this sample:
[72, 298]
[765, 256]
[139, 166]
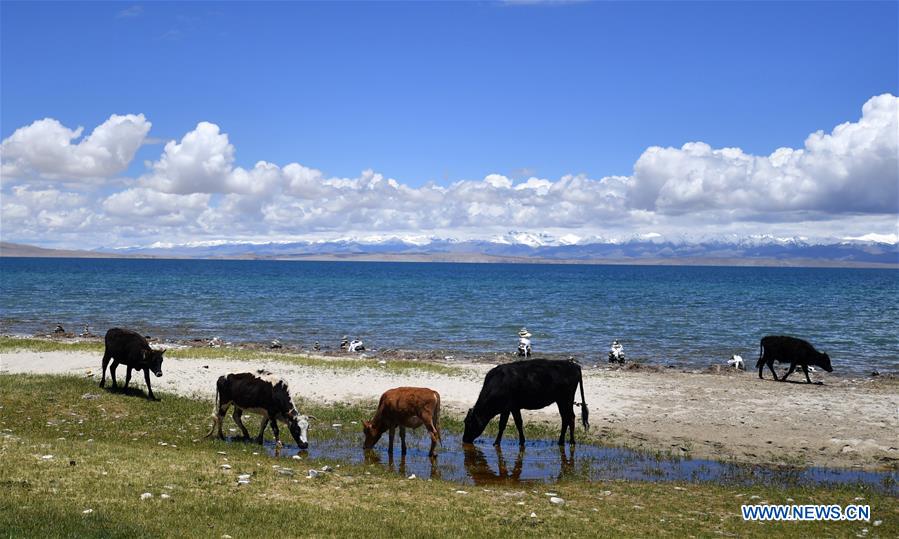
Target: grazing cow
[263, 393]
[528, 385]
[797, 351]
[404, 407]
[132, 350]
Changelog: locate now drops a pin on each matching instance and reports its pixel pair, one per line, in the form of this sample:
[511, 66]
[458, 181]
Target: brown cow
[404, 407]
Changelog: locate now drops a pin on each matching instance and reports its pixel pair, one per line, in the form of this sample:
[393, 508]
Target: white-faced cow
[528, 385]
[132, 350]
[790, 349]
[404, 407]
[263, 393]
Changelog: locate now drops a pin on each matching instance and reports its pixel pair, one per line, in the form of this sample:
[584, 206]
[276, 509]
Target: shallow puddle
[543, 461]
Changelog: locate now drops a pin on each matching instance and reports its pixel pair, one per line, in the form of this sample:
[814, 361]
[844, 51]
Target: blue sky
[442, 92]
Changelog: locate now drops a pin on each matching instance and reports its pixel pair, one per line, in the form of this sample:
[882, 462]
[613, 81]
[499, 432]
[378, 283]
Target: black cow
[529, 385]
[131, 349]
[263, 393]
[797, 351]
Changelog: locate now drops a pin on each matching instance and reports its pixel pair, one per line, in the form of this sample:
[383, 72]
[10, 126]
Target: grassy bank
[67, 447]
[11, 344]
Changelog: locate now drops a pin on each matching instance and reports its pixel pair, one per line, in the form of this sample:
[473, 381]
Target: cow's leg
[237, 417]
[402, 440]
[563, 413]
[432, 430]
[112, 368]
[390, 440]
[789, 372]
[149, 388]
[805, 370]
[127, 377]
[219, 419]
[519, 424]
[571, 422]
[261, 436]
[770, 364]
[275, 430]
[106, 358]
[503, 419]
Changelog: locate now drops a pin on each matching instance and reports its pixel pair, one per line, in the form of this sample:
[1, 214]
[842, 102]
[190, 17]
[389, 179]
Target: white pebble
[164, 496]
[87, 511]
[297, 457]
[146, 496]
[47, 457]
[556, 500]
[878, 522]
[533, 515]
[461, 492]
[550, 494]
[411, 476]
[226, 466]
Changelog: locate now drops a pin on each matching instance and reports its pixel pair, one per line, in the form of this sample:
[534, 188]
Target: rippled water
[684, 315]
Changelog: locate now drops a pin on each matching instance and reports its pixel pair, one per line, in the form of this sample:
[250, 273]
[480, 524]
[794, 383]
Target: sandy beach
[733, 416]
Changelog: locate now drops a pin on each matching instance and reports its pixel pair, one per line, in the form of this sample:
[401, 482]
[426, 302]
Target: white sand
[842, 423]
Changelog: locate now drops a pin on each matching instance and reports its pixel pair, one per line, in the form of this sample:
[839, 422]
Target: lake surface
[663, 315]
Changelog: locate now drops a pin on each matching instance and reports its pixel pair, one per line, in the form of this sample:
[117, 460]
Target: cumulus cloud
[852, 169]
[46, 149]
[842, 184]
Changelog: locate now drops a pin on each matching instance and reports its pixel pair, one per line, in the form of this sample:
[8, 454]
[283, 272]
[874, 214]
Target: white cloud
[840, 184]
[45, 149]
[852, 169]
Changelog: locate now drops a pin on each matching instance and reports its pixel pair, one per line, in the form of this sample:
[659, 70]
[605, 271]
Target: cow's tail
[437, 418]
[585, 413]
[216, 408]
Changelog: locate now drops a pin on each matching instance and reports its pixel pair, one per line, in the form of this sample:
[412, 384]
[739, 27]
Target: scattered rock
[533, 515]
[313, 474]
[165, 496]
[327, 468]
[225, 466]
[461, 492]
[89, 511]
[90, 396]
[295, 457]
[877, 522]
[556, 500]
[411, 476]
[146, 496]
[47, 457]
[550, 494]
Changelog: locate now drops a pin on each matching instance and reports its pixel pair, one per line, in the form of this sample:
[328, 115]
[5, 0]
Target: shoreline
[731, 415]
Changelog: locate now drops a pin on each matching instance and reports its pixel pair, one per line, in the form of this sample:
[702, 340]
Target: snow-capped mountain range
[544, 246]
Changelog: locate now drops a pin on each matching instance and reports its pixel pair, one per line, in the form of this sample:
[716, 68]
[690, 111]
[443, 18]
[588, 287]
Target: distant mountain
[526, 246]
[517, 246]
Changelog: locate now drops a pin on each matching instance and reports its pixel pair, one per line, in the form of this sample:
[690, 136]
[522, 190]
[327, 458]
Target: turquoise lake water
[663, 315]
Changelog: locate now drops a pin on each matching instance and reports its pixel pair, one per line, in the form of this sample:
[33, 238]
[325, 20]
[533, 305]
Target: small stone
[533, 515]
[550, 494]
[313, 474]
[336, 425]
[327, 468]
[221, 453]
[607, 493]
[47, 457]
[556, 500]
[411, 476]
[243, 481]
[226, 536]
[146, 496]
[285, 471]
[877, 522]
[461, 492]
[243, 476]
[225, 466]
[165, 496]
[89, 511]
[519, 503]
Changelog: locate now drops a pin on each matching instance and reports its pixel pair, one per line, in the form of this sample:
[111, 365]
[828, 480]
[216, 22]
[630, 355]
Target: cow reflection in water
[372, 456]
[480, 472]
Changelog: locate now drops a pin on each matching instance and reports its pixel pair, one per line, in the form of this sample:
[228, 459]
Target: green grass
[106, 453]
[11, 344]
